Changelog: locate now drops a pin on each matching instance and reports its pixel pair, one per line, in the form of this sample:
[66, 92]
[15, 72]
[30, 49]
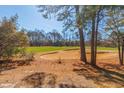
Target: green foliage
[10, 39]
[63, 13]
[28, 56]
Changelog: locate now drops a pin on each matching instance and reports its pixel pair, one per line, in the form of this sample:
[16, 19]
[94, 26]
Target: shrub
[29, 56]
[12, 42]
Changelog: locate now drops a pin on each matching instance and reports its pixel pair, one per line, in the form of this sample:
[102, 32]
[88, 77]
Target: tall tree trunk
[93, 63]
[82, 46]
[82, 42]
[96, 34]
[119, 48]
[95, 42]
[118, 44]
[123, 49]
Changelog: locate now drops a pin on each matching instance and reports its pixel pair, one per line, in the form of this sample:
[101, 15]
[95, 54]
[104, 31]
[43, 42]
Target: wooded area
[94, 18]
[84, 26]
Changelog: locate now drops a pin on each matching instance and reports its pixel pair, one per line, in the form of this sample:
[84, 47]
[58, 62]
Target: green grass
[55, 48]
[47, 48]
[104, 48]
[107, 48]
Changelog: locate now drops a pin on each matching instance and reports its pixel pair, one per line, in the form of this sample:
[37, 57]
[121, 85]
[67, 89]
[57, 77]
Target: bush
[29, 56]
[12, 42]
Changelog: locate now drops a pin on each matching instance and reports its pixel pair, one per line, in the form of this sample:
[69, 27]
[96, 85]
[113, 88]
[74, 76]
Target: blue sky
[29, 17]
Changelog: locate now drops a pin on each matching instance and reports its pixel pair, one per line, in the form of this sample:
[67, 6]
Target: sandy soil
[102, 56]
[64, 69]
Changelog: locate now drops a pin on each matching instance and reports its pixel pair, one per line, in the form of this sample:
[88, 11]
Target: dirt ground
[64, 69]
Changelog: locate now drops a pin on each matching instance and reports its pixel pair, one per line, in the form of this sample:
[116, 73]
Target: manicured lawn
[47, 48]
[107, 48]
[55, 48]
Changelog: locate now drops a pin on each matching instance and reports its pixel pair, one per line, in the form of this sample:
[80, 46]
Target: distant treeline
[66, 38]
[53, 38]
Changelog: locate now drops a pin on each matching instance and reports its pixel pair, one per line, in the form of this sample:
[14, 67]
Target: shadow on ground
[106, 75]
[8, 64]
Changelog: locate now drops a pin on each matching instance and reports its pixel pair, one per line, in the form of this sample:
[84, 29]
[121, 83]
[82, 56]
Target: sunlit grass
[55, 48]
[48, 48]
[107, 48]
[103, 48]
